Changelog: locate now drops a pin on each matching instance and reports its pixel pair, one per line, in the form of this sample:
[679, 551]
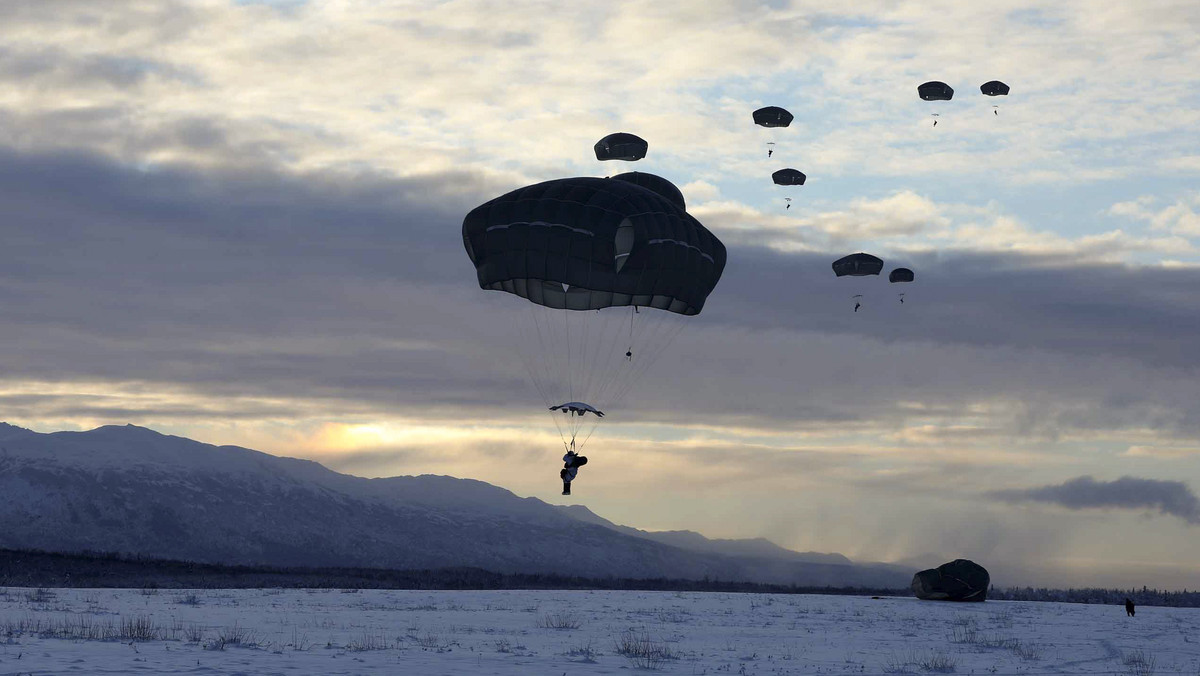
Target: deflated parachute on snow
[958, 580]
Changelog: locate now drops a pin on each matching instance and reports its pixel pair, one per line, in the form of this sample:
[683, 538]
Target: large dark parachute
[901, 275]
[590, 243]
[772, 116]
[655, 184]
[788, 177]
[994, 88]
[857, 265]
[935, 91]
[621, 146]
[594, 256]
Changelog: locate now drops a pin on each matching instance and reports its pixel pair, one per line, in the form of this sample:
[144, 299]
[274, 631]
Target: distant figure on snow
[1129, 607]
[571, 464]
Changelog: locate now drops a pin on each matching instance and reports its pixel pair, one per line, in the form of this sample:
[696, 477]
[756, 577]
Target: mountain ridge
[135, 490]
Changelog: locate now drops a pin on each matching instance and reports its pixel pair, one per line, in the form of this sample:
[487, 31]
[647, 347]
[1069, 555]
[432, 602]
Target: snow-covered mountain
[132, 490]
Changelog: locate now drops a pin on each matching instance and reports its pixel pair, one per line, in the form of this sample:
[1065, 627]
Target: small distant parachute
[621, 146]
[788, 177]
[655, 184]
[772, 116]
[935, 91]
[994, 88]
[899, 276]
[857, 265]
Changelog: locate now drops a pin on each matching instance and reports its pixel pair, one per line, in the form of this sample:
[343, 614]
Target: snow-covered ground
[258, 631]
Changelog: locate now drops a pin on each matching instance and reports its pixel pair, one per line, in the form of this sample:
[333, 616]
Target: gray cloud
[1168, 497]
[352, 291]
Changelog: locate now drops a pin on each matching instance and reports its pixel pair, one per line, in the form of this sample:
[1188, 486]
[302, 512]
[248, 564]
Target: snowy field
[122, 631]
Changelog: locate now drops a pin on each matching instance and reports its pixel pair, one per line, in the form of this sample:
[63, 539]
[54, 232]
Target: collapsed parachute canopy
[621, 146]
[901, 275]
[994, 88]
[935, 91]
[788, 177]
[772, 116]
[857, 265]
[590, 243]
[655, 184]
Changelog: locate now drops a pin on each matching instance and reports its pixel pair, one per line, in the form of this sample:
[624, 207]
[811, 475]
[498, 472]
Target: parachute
[621, 146]
[994, 88]
[612, 269]
[935, 91]
[788, 177]
[577, 408]
[899, 276]
[857, 265]
[655, 184]
[772, 116]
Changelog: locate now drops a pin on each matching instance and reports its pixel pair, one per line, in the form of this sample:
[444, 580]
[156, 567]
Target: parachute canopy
[577, 408]
[857, 265]
[590, 243]
[655, 184]
[900, 275]
[621, 146]
[935, 91]
[994, 88]
[788, 177]
[772, 116]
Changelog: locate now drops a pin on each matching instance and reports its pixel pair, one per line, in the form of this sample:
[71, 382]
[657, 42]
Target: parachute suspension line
[532, 366]
[567, 325]
[665, 333]
[629, 352]
[654, 340]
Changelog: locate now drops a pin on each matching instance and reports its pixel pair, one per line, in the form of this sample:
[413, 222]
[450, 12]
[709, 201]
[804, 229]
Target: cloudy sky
[241, 222]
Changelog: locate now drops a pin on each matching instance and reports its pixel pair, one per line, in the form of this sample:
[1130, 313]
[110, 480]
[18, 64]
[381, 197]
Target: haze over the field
[240, 222]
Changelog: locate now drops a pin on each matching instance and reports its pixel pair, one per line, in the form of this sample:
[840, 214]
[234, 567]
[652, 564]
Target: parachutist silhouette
[935, 123]
[571, 464]
[789, 206]
[770, 151]
[995, 112]
[857, 305]
[629, 355]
